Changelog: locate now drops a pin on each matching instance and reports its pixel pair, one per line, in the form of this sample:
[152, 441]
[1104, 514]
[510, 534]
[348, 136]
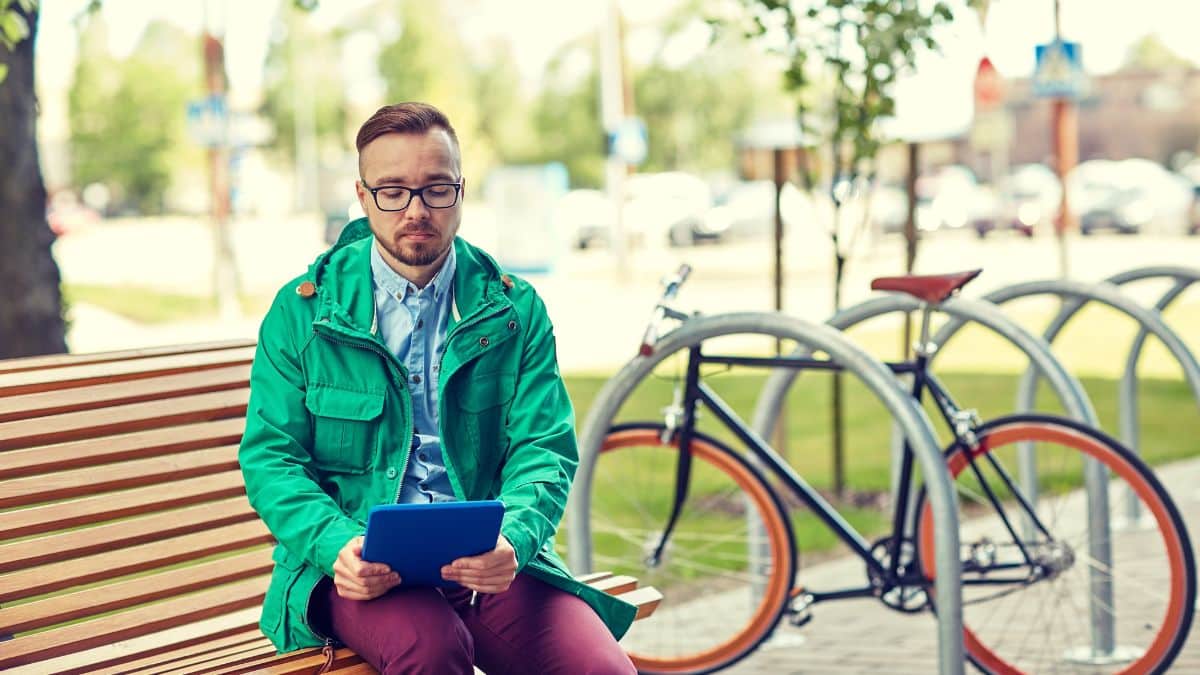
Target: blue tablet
[417, 540]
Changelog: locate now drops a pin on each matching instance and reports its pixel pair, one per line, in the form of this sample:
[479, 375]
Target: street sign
[989, 88]
[208, 121]
[628, 141]
[1059, 70]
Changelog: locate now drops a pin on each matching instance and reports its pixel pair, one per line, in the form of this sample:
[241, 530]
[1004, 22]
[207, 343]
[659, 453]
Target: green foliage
[303, 66]
[566, 117]
[128, 116]
[861, 46]
[1150, 53]
[13, 26]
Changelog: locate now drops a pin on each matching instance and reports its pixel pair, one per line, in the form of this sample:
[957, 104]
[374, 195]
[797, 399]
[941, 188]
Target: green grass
[1170, 431]
[149, 306]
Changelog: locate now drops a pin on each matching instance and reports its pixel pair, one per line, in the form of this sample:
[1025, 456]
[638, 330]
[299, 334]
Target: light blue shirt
[412, 323]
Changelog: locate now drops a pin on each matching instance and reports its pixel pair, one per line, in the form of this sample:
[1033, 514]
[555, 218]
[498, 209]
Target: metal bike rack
[1127, 401]
[1075, 294]
[877, 377]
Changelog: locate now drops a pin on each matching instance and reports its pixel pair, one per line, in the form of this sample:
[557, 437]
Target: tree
[31, 316]
[860, 47]
[1150, 53]
[302, 59]
[127, 126]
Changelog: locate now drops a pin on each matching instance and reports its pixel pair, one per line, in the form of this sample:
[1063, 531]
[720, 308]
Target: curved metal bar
[1080, 293]
[1071, 393]
[1127, 401]
[877, 377]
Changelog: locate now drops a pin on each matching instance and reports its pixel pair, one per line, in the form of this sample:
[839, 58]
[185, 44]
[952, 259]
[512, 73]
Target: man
[406, 366]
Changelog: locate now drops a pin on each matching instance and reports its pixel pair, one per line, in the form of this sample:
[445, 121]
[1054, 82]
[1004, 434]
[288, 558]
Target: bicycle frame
[960, 422]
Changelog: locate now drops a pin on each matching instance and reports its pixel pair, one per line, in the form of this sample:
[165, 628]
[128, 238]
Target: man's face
[418, 236]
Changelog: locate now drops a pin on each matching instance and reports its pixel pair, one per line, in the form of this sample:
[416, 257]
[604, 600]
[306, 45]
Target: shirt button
[423, 457]
[391, 472]
[416, 379]
[483, 342]
[420, 323]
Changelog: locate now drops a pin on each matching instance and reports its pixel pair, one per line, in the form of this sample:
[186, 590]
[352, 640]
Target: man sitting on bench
[406, 366]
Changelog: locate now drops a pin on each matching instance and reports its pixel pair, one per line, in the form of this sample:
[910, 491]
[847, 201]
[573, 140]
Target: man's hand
[490, 572]
[357, 579]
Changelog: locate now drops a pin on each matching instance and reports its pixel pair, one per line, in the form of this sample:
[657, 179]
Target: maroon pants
[530, 628]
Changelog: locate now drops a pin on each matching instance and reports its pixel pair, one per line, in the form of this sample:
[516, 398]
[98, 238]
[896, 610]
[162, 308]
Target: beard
[417, 253]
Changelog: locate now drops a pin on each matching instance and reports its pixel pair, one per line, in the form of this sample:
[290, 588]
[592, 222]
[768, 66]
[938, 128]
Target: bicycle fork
[681, 423]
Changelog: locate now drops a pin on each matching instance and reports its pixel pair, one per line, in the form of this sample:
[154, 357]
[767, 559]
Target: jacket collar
[343, 279]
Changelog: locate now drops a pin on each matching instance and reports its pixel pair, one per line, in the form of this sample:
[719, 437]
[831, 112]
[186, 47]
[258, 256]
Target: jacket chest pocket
[345, 427]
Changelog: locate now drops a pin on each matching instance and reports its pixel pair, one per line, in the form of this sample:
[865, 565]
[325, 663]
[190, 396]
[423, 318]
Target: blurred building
[1130, 113]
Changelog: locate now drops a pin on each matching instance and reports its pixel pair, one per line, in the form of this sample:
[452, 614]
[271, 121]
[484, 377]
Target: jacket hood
[342, 277]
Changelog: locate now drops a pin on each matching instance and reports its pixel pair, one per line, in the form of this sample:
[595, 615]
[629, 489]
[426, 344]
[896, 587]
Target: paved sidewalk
[862, 637]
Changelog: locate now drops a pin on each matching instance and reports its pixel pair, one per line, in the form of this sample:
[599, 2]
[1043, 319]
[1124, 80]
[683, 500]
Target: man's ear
[363, 196]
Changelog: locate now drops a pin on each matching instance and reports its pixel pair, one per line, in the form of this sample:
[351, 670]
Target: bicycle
[709, 528]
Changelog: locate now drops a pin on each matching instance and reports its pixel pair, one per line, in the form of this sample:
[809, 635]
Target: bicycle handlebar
[671, 287]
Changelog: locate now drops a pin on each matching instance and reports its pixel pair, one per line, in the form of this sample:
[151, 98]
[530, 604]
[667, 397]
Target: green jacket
[330, 418]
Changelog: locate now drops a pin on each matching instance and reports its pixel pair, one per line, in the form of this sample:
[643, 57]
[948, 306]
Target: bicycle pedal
[799, 611]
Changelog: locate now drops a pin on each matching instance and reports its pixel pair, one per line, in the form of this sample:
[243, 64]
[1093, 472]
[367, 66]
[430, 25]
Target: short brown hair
[403, 118]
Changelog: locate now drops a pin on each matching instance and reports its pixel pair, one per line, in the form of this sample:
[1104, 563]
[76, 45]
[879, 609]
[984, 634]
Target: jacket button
[512, 325]
[483, 342]
[391, 472]
[416, 379]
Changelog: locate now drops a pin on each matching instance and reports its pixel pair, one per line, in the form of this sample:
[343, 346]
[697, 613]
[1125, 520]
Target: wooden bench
[126, 541]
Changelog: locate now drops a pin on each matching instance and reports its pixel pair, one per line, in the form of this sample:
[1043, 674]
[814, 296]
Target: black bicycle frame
[697, 392]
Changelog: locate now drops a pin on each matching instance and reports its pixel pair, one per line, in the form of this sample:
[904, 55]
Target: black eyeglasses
[398, 197]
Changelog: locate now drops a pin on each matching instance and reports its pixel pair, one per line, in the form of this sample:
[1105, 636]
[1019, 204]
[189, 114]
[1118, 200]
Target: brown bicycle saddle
[933, 288]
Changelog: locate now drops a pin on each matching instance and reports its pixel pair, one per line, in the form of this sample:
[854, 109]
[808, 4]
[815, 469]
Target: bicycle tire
[677, 638]
[1151, 616]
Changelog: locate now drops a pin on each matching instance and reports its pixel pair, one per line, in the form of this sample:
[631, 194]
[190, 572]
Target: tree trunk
[31, 320]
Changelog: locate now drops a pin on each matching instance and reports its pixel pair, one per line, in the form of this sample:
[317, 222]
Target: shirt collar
[397, 286]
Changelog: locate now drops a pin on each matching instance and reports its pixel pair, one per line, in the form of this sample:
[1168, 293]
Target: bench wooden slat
[615, 585]
[77, 512]
[251, 645]
[99, 600]
[123, 419]
[62, 360]
[646, 600]
[57, 576]
[119, 448]
[111, 655]
[61, 401]
[131, 532]
[304, 662]
[121, 475]
[31, 381]
[185, 656]
[134, 622]
[241, 662]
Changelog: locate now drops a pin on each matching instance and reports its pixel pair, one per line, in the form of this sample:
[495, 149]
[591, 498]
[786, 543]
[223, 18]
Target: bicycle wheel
[1043, 595]
[726, 571]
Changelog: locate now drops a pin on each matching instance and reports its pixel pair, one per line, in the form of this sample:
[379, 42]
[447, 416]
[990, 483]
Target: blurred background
[198, 154]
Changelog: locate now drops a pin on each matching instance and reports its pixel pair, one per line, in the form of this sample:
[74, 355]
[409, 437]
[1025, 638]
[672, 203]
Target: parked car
[1029, 200]
[1132, 195]
[586, 218]
[670, 208]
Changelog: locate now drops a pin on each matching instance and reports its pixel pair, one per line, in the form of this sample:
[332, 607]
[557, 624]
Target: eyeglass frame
[413, 192]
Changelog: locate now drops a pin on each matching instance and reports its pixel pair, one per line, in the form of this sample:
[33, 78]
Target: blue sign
[208, 121]
[1059, 70]
[628, 141]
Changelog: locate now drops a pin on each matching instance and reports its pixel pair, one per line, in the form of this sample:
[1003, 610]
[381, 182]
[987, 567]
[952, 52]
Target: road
[598, 313]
